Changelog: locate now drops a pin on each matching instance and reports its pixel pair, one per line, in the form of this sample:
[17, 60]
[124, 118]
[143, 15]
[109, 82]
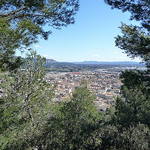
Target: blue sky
[91, 38]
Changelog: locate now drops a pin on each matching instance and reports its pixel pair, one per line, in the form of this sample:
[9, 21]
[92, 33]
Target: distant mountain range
[52, 61]
[53, 65]
[103, 62]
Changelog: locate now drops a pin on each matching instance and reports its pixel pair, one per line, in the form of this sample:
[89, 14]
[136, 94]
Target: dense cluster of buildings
[105, 85]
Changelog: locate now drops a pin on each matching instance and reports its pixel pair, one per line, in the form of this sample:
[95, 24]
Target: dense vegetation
[29, 119]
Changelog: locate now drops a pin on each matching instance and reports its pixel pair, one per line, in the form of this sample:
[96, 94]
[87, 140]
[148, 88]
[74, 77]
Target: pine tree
[129, 124]
[135, 41]
[26, 104]
[75, 124]
[22, 23]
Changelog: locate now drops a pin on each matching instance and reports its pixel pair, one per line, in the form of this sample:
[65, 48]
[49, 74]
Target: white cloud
[122, 56]
[47, 56]
[37, 46]
[95, 55]
[116, 52]
[51, 57]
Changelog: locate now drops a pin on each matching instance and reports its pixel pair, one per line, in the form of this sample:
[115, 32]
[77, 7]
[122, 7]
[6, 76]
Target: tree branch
[13, 12]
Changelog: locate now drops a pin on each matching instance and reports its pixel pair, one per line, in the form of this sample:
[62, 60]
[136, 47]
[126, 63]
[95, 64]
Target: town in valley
[103, 81]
